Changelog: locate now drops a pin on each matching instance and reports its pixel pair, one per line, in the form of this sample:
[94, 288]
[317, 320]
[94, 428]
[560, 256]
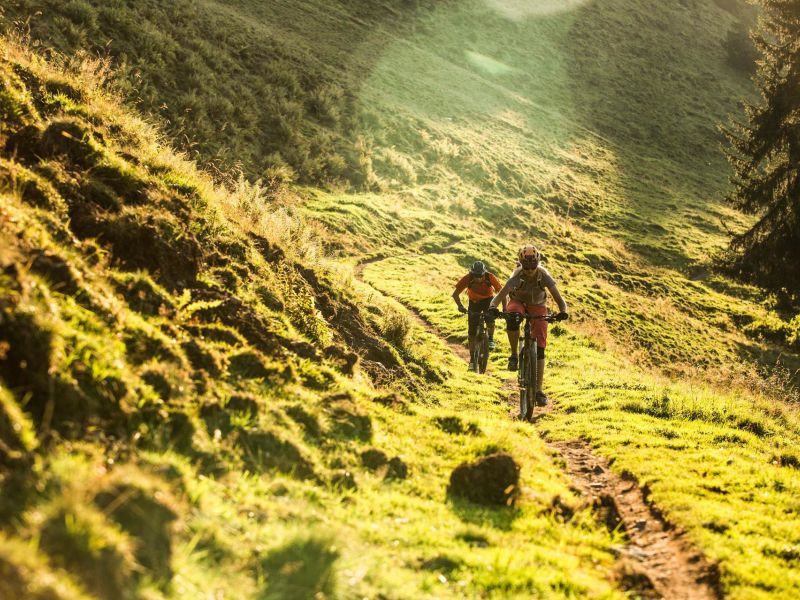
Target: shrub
[395, 328]
[325, 103]
[396, 166]
[742, 52]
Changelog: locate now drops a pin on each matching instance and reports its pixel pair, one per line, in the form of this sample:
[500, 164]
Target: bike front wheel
[530, 380]
[521, 380]
[482, 348]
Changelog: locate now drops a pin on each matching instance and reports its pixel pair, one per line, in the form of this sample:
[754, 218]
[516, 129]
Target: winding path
[656, 561]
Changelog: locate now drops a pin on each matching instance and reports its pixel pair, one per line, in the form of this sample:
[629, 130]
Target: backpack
[486, 280]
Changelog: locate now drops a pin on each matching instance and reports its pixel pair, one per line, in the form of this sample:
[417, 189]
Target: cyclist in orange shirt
[481, 286]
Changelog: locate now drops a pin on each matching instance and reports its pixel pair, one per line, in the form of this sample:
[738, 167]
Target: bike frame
[480, 357]
[527, 374]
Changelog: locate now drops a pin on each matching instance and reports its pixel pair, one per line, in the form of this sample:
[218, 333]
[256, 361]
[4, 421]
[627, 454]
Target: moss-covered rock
[491, 480]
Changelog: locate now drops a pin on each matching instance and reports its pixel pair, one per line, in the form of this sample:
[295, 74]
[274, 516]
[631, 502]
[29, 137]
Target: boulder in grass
[492, 480]
[397, 469]
[374, 459]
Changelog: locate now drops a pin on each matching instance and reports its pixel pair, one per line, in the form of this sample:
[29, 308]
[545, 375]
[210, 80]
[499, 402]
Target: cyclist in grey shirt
[527, 288]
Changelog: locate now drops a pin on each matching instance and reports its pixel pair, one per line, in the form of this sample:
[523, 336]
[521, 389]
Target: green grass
[715, 457]
[475, 128]
[163, 437]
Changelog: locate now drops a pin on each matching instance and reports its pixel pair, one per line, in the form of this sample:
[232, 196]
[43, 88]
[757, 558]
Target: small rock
[637, 553]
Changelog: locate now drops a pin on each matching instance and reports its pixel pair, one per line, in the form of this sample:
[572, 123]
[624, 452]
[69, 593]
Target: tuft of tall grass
[271, 210]
[396, 327]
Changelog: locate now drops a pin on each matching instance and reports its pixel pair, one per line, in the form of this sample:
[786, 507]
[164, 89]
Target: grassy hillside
[469, 127]
[237, 83]
[188, 405]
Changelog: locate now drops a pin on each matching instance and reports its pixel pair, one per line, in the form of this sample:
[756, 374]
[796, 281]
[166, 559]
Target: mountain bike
[480, 356]
[527, 374]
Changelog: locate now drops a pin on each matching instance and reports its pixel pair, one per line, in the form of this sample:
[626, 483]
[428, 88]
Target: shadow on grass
[501, 518]
[301, 568]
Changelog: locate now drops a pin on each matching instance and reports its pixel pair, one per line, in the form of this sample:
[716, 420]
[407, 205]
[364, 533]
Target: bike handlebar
[490, 315]
[526, 316]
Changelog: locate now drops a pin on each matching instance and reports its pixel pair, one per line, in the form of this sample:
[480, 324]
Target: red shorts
[538, 326]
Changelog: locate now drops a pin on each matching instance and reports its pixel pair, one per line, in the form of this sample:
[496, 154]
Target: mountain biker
[527, 288]
[481, 285]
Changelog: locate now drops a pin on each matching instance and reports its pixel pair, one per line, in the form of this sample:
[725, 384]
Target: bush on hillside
[742, 52]
[395, 328]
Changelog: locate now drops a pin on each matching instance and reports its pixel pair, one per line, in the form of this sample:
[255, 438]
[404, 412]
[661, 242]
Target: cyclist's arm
[457, 298]
[562, 306]
[460, 287]
[500, 297]
[497, 288]
[503, 293]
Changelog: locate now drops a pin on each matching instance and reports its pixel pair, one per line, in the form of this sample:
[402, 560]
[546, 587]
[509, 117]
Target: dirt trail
[656, 560]
[458, 349]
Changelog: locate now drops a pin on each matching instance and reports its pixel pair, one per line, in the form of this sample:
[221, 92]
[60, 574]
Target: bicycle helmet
[478, 269]
[529, 257]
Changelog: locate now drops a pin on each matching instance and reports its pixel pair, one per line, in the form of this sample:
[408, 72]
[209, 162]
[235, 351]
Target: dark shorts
[474, 320]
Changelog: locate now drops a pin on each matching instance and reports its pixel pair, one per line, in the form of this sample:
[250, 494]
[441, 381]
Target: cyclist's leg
[473, 321]
[512, 329]
[540, 333]
[539, 368]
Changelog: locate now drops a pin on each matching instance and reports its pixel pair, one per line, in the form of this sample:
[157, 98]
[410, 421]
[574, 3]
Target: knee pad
[512, 324]
[539, 353]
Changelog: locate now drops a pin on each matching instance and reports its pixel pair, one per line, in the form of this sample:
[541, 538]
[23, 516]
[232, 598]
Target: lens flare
[486, 64]
[517, 10]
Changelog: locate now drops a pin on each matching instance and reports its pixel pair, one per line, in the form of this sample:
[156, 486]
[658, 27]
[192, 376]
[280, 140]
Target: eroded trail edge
[657, 561]
[457, 348]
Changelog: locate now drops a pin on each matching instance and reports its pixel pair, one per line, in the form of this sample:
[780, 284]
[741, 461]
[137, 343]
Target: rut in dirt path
[657, 561]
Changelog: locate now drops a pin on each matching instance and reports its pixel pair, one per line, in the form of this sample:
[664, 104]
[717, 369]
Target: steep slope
[192, 405]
